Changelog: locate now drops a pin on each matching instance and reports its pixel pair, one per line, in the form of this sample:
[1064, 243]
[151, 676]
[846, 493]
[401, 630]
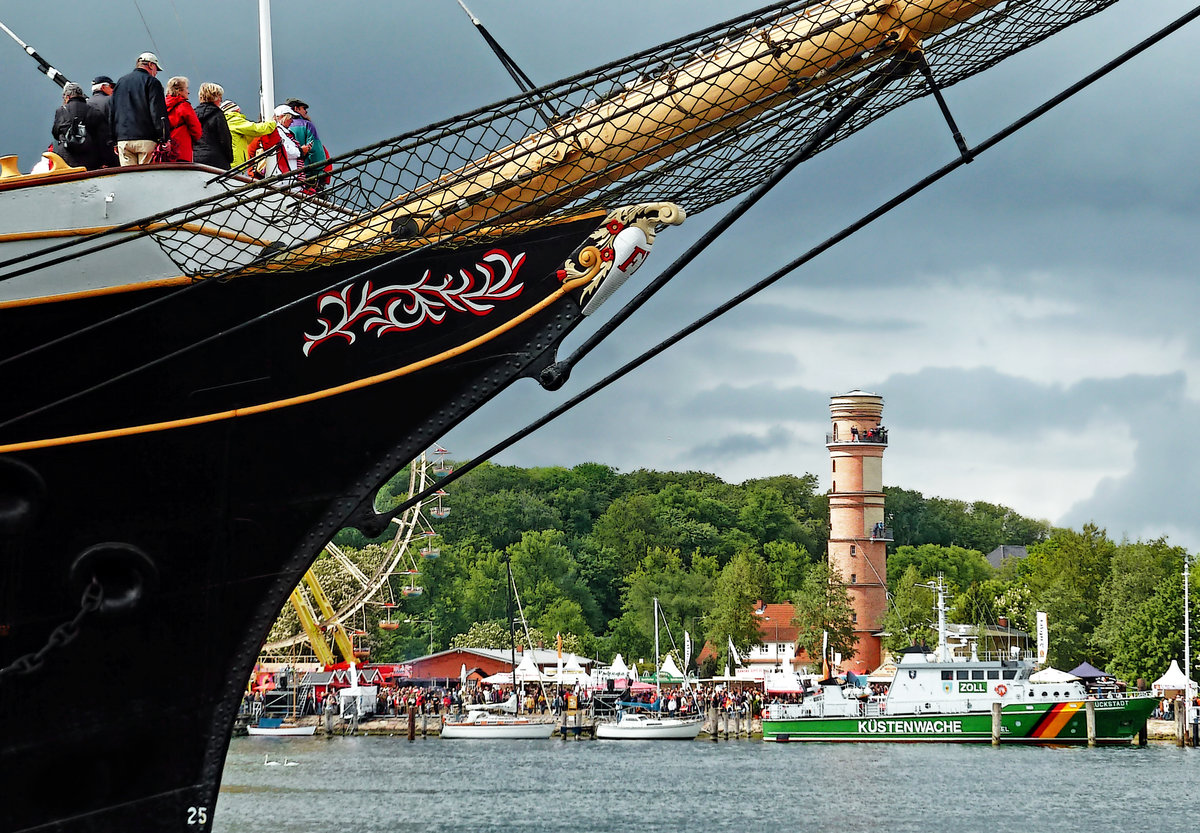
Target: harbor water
[387, 783]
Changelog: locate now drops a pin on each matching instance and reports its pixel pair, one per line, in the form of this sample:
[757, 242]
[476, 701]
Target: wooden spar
[652, 120]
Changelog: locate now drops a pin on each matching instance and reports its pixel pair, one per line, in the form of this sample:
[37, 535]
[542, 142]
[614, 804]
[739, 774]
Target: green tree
[1153, 633]
[1136, 573]
[1065, 576]
[787, 565]
[822, 606]
[907, 620]
[744, 581]
[960, 567]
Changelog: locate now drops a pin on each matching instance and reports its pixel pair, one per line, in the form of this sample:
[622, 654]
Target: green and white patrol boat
[935, 698]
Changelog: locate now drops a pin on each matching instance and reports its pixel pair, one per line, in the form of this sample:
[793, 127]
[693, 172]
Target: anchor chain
[64, 634]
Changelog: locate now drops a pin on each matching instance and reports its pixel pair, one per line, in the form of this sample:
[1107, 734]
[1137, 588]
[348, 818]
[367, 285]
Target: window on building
[854, 617]
[835, 465]
[854, 578]
[853, 549]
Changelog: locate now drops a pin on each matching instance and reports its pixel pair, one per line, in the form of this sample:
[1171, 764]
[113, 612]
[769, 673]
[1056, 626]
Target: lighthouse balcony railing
[881, 533]
[877, 437]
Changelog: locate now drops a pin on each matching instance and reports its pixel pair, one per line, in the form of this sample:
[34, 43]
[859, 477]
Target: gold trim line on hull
[358, 384]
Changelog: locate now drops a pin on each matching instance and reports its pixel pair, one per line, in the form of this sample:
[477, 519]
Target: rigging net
[696, 121]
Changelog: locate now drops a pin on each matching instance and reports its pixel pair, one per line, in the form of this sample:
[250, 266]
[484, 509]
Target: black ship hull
[198, 490]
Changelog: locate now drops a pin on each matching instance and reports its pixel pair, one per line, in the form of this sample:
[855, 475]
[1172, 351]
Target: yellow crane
[309, 622]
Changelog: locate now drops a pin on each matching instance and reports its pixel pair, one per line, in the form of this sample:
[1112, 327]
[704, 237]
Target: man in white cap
[138, 112]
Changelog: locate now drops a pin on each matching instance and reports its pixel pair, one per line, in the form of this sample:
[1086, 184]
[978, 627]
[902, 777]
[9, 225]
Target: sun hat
[284, 110]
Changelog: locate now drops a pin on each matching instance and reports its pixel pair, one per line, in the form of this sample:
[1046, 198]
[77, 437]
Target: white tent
[782, 682]
[573, 673]
[619, 668]
[1050, 676]
[527, 672]
[1173, 680]
[669, 670]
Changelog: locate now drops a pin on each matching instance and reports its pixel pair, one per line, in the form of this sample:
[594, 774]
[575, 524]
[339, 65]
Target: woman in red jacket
[185, 127]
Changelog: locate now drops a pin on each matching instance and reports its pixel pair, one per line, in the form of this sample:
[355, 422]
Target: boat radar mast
[943, 649]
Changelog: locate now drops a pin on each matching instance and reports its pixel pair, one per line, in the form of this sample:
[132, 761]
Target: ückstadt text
[909, 727]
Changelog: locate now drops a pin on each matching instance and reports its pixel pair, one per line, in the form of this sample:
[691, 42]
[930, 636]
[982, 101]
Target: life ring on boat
[1002, 689]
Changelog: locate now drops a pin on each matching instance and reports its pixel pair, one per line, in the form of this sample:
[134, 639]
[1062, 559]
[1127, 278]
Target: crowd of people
[136, 121]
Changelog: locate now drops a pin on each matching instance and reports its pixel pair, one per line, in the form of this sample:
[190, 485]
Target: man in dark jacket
[77, 130]
[102, 87]
[138, 112]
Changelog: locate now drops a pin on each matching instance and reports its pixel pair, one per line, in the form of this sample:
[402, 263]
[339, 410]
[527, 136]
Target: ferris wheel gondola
[412, 543]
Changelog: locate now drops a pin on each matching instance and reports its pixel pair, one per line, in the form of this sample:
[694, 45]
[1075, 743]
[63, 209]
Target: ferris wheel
[364, 586]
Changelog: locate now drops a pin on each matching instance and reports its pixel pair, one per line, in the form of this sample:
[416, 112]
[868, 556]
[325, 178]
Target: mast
[266, 63]
[657, 669]
[943, 649]
[1187, 625]
[512, 634]
[943, 646]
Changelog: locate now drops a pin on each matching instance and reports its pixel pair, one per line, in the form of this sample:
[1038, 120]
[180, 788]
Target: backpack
[76, 137]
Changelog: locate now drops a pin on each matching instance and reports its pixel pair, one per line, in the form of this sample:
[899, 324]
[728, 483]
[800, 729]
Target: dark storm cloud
[986, 400]
[738, 445]
[1071, 247]
[760, 403]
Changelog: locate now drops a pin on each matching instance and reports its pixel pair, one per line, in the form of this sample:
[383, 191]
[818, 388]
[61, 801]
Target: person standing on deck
[137, 115]
[243, 130]
[306, 135]
[76, 130]
[102, 89]
[215, 145]
[185, 127]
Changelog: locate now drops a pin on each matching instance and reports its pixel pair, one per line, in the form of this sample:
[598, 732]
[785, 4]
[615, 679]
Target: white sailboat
[645, 726]
[501, 720]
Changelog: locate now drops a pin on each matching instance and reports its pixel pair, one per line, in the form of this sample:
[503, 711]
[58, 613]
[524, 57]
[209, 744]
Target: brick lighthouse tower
[858, 533]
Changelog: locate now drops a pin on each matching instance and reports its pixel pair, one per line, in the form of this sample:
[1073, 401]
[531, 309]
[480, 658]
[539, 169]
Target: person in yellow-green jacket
[242, 130]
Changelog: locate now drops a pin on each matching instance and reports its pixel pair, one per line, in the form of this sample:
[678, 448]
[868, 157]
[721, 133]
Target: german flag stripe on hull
[1055, 720]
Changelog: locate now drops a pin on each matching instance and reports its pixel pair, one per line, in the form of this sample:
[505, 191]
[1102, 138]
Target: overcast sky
[1030, 321]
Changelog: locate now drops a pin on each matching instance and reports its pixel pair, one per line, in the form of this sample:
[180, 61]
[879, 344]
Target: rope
[899, 199]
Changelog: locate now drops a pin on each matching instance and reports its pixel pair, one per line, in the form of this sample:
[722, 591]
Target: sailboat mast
[657, 670]
[266, 63]
[512, 634]
[1187, 625]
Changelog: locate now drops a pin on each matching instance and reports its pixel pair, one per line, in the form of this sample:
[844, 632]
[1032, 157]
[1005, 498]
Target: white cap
[149, 58]
[284, 110]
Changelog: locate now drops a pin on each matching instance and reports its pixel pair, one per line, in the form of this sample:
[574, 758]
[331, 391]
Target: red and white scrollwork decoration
[403, 307]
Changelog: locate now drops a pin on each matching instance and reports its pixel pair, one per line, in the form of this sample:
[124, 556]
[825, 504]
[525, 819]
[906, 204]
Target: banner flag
[1043, 637]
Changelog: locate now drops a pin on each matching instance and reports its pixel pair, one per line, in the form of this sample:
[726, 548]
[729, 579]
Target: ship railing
[998, 656]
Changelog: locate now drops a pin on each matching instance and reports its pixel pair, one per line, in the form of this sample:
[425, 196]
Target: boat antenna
[43, 65]
[943, 642]
[523, 81]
